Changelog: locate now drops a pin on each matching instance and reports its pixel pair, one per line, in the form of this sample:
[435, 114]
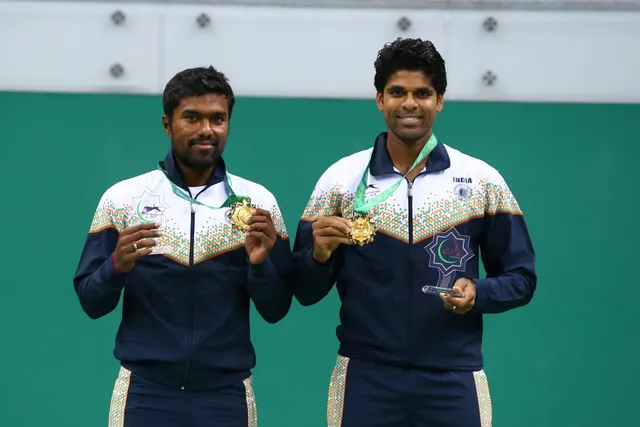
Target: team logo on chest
[148, 208]
[463, 191]
[463, 188]
[449, 253]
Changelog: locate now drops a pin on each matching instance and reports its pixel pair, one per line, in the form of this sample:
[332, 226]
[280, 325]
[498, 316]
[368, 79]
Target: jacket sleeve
[312, 280]
[268, 283]
[97, 282]
[507, 253]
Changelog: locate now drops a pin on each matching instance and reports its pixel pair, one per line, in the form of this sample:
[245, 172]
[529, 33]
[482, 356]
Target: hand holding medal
[258, 224]
[328, 233]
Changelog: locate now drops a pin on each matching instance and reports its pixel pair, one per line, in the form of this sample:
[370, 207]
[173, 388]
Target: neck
[404, 153]
[194, 177]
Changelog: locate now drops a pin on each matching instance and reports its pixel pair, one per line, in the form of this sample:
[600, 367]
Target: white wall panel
[547, 56]
[306, 52]
[298, 52]
[71, 47]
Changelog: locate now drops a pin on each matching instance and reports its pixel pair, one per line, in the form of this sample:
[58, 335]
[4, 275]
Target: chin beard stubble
[193, 160]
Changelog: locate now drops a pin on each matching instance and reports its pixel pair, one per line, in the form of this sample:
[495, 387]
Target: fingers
[466, 288]
[134, 243]
[141, 244]
[139, 227]
[264, 227]
[261, 221]
[451, 304]
[258, 212]
[466, 302]
[341, 240]
[128, 238]
[263, 237]
[257, 234]
[330, 232]
[331, 226]
[259, 225]
[469, 301]
[455, 304]
[259, 215]
[338, 218]
[128, 254]
[335, 222]
[447, 301]
[331, 236]
[138, 254]
[138, 249]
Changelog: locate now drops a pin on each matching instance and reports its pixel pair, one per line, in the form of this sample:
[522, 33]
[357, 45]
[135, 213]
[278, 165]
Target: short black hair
[410, 55]
[195, 82]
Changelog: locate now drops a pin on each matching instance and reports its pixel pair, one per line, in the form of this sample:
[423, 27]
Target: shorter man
[189, 255]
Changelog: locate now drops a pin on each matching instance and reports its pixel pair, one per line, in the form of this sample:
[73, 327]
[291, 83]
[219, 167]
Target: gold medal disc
[362, 231]
[239, 213]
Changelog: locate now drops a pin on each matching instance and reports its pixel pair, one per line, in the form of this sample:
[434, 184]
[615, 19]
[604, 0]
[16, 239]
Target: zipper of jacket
[410, 281]
[191, 290]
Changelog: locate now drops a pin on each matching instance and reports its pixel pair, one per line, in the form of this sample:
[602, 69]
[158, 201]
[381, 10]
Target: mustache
[210, 139]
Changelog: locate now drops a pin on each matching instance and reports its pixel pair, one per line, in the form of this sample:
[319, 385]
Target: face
[409, 104]
[199, 130]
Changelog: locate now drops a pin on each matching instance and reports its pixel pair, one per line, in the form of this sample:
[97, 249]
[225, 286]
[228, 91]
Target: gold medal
[362, 231]
[239, 213]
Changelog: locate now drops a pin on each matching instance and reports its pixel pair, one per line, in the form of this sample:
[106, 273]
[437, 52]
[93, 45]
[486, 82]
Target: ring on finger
[135, 246]
[454, 307]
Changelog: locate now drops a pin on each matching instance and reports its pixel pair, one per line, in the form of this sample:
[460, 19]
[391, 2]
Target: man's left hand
[261, 236]
[458, 305]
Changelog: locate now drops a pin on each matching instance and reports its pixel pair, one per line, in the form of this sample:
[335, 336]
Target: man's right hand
[134, 243]
[328, 233]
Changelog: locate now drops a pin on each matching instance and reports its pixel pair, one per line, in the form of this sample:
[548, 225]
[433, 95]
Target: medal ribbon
[231, 200]
[363, 208]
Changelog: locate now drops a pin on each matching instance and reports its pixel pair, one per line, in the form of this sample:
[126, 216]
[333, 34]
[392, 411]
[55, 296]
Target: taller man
[394, 225]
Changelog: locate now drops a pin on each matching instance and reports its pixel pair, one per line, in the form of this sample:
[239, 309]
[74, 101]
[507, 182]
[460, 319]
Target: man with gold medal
[189, 246]
[398, 228]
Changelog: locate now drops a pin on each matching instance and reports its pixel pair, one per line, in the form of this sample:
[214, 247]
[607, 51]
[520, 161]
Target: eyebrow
[398, 87]
[189, 111]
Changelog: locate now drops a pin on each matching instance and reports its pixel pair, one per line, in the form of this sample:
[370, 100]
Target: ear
[166, 125]
[379, 101]
[439, 103]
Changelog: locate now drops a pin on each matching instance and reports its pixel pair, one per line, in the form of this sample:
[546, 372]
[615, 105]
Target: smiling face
[409, 104]
[198, 130]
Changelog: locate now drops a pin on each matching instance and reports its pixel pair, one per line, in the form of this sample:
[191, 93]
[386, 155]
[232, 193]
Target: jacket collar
[381, 160]
[169, 165]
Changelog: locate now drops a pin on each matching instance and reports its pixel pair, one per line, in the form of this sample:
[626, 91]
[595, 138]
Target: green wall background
[568, 359]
